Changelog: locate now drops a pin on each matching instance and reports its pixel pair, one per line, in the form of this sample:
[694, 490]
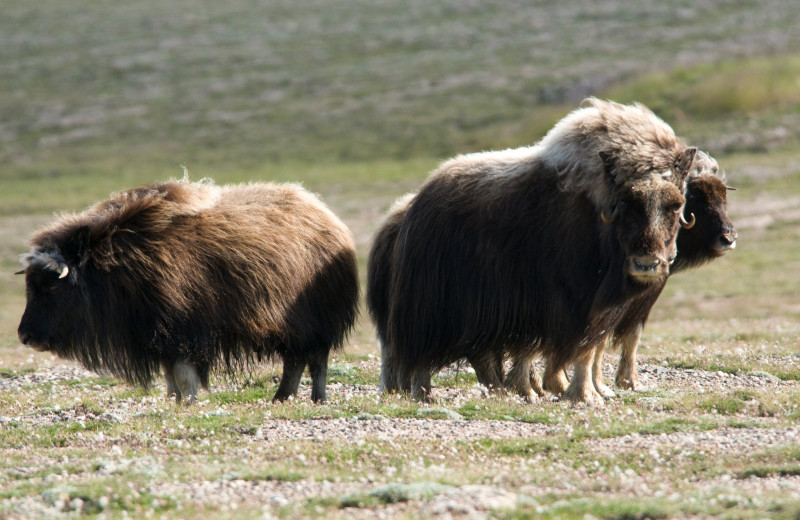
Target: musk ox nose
[646, 267]
[646, 263]
[727, 240]
[24, 337]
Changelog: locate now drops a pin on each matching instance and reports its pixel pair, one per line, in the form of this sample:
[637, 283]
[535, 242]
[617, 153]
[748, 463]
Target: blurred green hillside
[359, 99]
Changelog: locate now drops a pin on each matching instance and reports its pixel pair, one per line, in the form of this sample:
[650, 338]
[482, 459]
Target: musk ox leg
[627, 372]
[421, 385]
[489, 371]
[290, 380]
[187, 381]
[555, 378]
[318, 368]
[597, 370]
[519, 377]
[169, 378]
[581, 388]
[390, 381]
[536, 381]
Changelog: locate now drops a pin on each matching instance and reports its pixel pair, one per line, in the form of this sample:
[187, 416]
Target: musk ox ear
[683, 163]
[78, 246]
[609, 165]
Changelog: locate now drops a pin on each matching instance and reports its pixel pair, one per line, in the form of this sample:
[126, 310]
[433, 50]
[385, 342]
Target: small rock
[439, 412]
[764, 375]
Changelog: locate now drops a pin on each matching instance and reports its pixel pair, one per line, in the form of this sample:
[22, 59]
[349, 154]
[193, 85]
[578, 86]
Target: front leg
[581, 388]
[597, 370]
[627, 371]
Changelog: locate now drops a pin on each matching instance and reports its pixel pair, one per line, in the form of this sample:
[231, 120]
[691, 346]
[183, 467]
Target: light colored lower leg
[519, 377]
[187, 380]
[536, 381]
[581, 388]
[597, 370]
[627, 371]
[555, 380]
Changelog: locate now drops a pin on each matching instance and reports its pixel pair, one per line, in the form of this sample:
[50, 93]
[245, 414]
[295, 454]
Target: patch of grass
[6, 373]
[668, 425]
[770, 471]
[717, 90]
[726, 405]
[500, 409]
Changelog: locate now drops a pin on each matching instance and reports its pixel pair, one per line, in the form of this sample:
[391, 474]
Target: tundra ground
[358, 100]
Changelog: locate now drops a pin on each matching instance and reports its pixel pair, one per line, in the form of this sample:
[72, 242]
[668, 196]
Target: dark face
[713, 234]
[52, 299]
[646, 221]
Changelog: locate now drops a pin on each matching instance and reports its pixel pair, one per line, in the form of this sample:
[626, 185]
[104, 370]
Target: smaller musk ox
[185, 277]
[710, 236]
[537, 250]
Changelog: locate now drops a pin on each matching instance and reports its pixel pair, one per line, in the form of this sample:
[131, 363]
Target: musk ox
[184, 277]
[711, 236]
[532, 250]
[706, 235]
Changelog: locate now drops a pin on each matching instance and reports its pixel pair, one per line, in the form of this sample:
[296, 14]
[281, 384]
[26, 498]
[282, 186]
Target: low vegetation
[358, 101]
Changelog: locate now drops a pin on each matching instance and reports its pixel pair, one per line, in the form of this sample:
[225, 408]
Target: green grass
[359, 101]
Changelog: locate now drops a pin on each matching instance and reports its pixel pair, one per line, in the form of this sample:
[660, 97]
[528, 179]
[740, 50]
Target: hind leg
[318, 368]
[555, 378]
[519, 377]
[489, 371]
[290, 380]
[536, 381]
[187, 381]
[390, 380]
[169, 378]
[421, 385]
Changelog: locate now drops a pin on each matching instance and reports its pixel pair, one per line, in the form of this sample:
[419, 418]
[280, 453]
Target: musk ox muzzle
[647, 268]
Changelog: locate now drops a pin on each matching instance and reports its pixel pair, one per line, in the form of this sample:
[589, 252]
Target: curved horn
[687, 225]
[64, 272]
[604, 218]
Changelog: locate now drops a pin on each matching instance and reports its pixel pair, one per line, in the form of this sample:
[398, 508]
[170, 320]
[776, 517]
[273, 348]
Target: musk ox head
[712, 234]
[56, 311]
[646, 214]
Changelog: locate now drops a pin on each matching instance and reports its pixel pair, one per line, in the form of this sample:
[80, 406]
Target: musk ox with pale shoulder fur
[536, 250]
[184, 277]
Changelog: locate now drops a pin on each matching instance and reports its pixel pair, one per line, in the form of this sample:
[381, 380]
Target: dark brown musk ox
[710, 236]
[535, 250]
[706, 234]
[186, 277]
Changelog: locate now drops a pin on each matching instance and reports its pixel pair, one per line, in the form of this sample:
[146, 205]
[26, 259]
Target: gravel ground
[269, 497]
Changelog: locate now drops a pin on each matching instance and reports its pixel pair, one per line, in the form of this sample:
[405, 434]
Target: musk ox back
[526, 251]
[185, 277]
